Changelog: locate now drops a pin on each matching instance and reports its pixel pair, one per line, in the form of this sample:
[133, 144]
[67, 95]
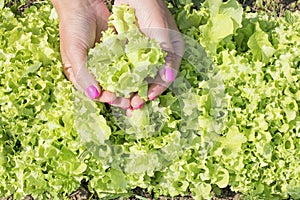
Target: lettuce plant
[125, 57]
[230, 119]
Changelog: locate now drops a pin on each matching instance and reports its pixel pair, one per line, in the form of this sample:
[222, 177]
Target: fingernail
[92, 92]
[169, 74]
[139, 107]
[110, 103]
[152, 98]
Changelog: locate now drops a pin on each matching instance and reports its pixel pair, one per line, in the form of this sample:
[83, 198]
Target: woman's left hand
[156, 22]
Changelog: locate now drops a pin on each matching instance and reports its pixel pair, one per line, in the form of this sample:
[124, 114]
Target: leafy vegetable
[123, 60]
[1, 4]
[260, 46]
[231, 118]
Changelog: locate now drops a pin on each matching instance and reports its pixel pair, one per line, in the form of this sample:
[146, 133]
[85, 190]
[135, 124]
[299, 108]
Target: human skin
[81, 23]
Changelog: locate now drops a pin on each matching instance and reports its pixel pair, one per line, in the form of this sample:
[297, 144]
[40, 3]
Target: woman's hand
[155, 21]
[80, 26]
[81, 23]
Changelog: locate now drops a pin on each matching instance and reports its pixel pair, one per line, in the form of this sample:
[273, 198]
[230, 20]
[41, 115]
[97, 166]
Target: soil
[138, 193]
[275, 6]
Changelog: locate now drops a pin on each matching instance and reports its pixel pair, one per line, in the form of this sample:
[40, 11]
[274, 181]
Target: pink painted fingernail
[152, 98]
[92, 92]
[169, 74]
[110, 103]
[139, 107]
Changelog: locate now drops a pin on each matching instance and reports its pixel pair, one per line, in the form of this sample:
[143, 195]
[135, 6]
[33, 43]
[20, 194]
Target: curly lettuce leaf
[123, 60]
[225, 18]
[260, 46]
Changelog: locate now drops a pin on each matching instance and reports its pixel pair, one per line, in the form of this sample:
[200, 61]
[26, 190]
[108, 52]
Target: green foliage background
[230, 119]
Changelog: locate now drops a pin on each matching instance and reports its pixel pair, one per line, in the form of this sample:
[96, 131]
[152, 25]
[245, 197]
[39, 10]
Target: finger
[174, 56]
[172, 63]
[106, 97]
[164, 79]
[157, 88]
[75, 54]
[137, 102]
[121, 103]
[68, 71]
[82, 79]
[119, 2]
[168, 74]
[129, 112]
[178, 47]
[102, 16]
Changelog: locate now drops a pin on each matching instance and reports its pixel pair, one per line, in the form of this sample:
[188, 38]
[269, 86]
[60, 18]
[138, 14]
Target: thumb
[167, 74]
[74, 55]
[82, 76]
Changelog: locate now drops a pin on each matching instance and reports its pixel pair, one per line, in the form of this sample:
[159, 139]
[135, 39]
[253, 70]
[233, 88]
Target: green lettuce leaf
[123, 60]
[260, 46]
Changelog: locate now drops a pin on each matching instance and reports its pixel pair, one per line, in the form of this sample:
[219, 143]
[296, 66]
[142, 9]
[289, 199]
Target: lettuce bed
[231, 118]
